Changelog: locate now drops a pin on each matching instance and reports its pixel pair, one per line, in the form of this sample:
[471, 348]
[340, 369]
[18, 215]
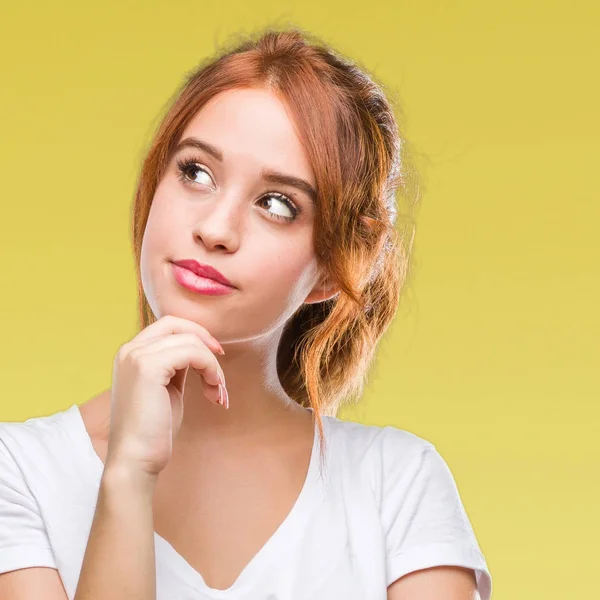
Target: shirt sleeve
[23, 538]
[424, 519]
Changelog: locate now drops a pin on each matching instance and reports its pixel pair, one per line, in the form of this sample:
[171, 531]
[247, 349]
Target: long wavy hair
[364, 176]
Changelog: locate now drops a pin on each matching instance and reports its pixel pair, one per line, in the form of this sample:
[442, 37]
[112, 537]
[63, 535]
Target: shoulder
[376, 439]
[423, 519]
[27, 465]
[379, 454]
[40, 445]
[19, 437]
[27, 452]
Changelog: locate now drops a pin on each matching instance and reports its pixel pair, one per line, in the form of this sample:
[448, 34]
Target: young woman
[269, 267]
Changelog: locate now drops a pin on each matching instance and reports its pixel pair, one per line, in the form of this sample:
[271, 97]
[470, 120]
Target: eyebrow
[266, 174]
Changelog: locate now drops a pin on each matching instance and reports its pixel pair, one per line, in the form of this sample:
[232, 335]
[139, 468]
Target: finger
[166, 355]
[212, 392]
[172, 324]
[181, 338]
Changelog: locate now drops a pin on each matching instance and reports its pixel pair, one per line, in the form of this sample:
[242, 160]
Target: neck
[257, 401]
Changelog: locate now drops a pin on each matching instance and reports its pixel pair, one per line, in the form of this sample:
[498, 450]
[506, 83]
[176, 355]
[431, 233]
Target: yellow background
[494, 355]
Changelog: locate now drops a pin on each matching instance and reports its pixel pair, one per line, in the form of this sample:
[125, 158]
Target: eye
[189, 169]
[286, 202]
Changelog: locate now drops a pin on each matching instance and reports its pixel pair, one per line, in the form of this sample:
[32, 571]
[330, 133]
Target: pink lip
[203, 270]
[199, 284]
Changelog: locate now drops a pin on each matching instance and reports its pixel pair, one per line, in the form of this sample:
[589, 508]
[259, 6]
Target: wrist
[120, 475]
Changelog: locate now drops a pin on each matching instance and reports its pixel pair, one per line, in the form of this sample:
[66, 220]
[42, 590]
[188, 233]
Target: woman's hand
[147, 390]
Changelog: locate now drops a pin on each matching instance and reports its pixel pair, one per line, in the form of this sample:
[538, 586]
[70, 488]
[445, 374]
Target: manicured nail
[225, 397]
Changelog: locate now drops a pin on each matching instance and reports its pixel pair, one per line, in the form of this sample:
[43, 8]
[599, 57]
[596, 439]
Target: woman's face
[257, 233]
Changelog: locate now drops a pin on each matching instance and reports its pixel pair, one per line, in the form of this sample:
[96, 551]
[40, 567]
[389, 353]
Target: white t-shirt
[386, 504]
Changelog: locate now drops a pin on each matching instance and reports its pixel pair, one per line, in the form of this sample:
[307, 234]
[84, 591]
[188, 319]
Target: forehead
[252, 127]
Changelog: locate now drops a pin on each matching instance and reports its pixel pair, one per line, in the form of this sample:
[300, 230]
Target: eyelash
[184, 165]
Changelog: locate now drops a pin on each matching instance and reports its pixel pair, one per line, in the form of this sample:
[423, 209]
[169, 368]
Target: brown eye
[188, 171]
[285, 202]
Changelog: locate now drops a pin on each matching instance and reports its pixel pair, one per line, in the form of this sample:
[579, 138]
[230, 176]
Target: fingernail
[221, 376]
[221, 400]
[225, 397]
[219, 347]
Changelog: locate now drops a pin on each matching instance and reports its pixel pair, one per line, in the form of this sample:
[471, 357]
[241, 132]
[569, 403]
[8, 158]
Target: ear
[323, 290]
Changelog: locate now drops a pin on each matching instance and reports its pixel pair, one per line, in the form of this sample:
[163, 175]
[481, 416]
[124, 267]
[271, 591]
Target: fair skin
[261, 445]
[226, 218]
[254, 456]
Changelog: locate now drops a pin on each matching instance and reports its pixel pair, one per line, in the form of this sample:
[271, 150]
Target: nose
[218, 225]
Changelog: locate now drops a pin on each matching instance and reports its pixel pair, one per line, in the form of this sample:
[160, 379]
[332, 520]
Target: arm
[435, 583]
[32, 582]
[27, 566]
[119, 558]
[119, 561]
[429, 538]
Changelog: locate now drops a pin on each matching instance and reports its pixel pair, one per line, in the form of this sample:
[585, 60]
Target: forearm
[119, 561]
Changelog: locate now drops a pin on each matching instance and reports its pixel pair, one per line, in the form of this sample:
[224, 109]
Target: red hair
[349, 132]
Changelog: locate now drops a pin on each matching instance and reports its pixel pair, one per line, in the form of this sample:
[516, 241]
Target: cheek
[160, 226]
[155, 243]
[285, 275]
[147, 264]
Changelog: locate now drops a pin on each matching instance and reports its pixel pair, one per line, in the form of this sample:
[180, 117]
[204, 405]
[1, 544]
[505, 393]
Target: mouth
[202, 270]
[198, 283]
